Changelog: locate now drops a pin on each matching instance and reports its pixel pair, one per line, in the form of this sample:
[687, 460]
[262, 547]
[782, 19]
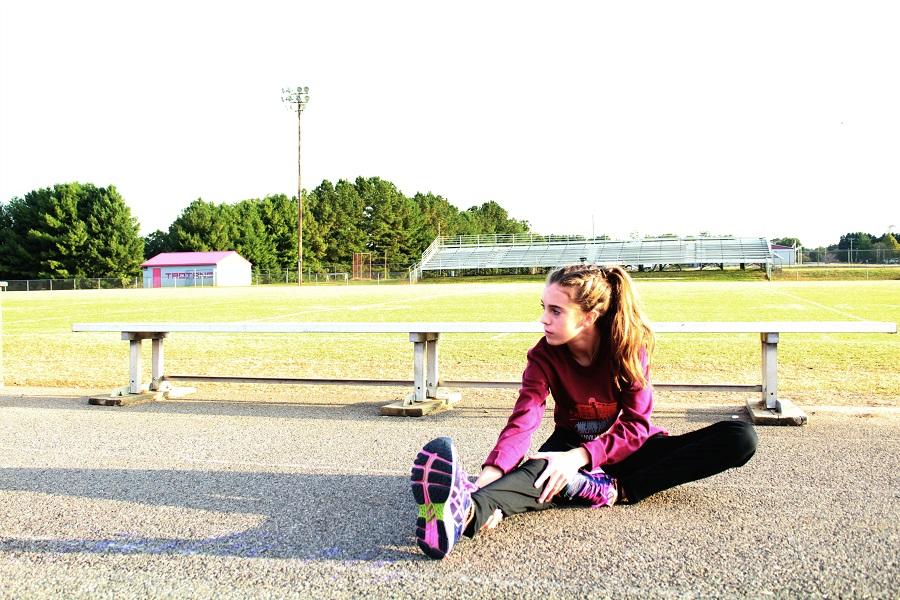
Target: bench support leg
[770, 409]
[425, 366]
[156, 365]
[432, 379]
[135, 367]
[769, 342]
[424, 349]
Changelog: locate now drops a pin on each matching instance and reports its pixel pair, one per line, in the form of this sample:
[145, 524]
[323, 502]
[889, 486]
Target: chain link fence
[331, 275]
[78, 283]
[877, 256]
[343, 274]
[335, 275]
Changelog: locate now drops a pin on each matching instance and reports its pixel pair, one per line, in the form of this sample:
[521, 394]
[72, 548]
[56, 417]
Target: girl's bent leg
[666, 461]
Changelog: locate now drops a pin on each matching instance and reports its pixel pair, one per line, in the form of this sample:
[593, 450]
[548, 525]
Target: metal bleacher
[498, 251]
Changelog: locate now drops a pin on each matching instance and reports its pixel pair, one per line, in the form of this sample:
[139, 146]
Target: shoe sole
[433, 475]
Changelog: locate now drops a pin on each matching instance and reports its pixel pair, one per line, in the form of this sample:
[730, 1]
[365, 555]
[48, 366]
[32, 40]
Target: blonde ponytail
[623, 327]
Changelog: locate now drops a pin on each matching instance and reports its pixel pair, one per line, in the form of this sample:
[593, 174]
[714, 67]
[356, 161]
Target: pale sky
[749, 118]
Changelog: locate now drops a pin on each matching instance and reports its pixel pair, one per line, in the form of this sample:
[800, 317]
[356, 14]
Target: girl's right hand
[489, 474]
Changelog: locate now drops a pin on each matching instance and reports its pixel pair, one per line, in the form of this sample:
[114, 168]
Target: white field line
[326, 309]
[407, 302]
[820, 305]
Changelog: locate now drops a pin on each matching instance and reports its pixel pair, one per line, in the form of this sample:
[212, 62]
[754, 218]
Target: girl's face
[562, 318]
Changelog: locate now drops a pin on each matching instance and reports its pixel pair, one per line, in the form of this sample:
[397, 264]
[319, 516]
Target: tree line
[76, 230]
[80, 230]
[857, 247]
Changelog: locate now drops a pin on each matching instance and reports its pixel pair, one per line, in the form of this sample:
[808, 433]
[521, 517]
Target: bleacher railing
[511, 238]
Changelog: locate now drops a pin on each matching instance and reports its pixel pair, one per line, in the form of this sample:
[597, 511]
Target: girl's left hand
[561, 468]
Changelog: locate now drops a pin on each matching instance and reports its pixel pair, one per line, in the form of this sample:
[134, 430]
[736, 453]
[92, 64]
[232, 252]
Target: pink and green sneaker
[443, 492]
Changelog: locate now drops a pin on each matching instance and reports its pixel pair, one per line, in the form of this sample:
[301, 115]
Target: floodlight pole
[297, 100]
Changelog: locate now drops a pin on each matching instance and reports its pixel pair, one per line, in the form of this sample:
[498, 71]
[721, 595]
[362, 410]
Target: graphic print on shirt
[594, 417]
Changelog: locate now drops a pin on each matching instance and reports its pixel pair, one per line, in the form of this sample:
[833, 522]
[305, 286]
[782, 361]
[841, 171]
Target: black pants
[662, 462]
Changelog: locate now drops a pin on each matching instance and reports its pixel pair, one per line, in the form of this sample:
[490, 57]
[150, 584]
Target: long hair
[623, 327]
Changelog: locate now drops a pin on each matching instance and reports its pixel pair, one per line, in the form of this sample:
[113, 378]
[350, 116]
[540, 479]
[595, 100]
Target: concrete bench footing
[129, 400]
[122, 397]
[416, 409]
[787, 413]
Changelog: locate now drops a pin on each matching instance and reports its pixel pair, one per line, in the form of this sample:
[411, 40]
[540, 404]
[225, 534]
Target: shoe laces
[596, 487]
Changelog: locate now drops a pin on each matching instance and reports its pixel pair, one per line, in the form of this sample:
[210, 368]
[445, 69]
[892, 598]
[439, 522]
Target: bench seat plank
[484, 327]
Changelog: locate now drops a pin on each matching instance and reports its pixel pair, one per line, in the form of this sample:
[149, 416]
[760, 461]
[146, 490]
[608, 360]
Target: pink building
[189, 269]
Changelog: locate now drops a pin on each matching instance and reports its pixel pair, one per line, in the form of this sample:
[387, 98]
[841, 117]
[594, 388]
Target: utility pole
[296, 100]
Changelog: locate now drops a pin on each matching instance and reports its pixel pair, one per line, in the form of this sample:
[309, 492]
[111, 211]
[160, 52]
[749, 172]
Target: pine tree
[251, 240]
[113, 247]
[202, 227]
[279, 217]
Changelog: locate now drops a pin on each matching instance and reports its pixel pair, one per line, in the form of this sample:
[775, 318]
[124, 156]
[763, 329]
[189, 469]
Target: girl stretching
[595, 360]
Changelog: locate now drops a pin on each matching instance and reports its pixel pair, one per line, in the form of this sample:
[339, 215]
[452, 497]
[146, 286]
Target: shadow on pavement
[199, 406]
[305, 516]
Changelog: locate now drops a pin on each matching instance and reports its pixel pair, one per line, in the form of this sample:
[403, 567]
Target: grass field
[857, 369]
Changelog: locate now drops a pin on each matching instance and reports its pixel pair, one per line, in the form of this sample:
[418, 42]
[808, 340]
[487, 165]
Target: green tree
[861, 245]
[279, 217]
[339, 212]
[787, 241]
[6, 233]
[490, 217]
[16, 260]
[393, 222]
[889, 242]
[59, 236]
[157, 242]
[113, 247]
[203, 227]
[439, 216]
[315, 242]
[251, 239]
[886, 248]
[70, 230]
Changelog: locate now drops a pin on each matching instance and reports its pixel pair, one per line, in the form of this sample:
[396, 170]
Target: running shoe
[443, 492]
[594, 488]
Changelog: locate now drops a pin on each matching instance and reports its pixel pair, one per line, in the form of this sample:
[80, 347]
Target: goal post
[362, 265]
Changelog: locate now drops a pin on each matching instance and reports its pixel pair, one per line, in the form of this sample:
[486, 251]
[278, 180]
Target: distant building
[784, 255]
[189, 269]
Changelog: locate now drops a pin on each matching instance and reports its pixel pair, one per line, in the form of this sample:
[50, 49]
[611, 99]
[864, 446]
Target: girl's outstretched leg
[666, 461]
[442, 490]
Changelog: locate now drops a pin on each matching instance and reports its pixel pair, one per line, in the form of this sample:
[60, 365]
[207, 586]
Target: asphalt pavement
[308, 496]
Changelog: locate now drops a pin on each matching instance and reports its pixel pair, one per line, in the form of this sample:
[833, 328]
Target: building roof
[187, 259]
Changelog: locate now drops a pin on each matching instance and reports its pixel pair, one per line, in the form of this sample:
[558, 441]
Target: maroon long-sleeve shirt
[613, 423]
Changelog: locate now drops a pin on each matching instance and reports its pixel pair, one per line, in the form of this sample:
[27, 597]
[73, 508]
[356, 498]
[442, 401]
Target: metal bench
[430, 392]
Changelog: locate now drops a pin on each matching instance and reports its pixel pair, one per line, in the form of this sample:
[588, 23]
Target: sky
[753, 119]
